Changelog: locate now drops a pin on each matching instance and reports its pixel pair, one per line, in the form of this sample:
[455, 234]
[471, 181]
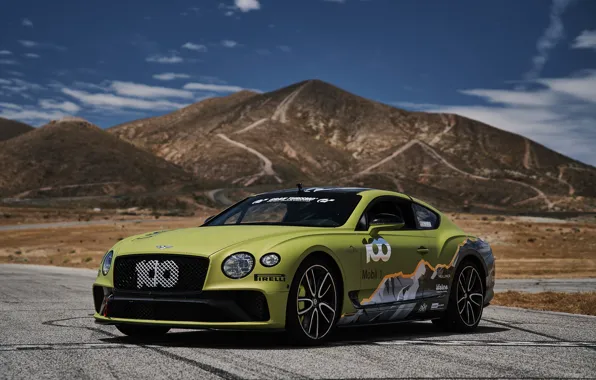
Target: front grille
[215, 306]
[160, 273]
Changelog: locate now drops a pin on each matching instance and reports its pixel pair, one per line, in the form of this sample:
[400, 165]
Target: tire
[140, 331]
[466, 300]
[311, 316]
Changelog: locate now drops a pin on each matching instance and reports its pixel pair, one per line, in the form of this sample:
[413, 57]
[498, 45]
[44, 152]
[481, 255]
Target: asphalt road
[46, 331]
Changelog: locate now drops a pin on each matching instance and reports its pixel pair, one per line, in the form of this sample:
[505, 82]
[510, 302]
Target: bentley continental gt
[303, 260]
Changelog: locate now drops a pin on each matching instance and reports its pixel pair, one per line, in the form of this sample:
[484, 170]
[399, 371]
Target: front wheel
[466, 300]
[140, 331]
[313, 303]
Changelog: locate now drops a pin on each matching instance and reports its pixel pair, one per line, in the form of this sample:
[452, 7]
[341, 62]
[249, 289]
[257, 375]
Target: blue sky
[524, 66]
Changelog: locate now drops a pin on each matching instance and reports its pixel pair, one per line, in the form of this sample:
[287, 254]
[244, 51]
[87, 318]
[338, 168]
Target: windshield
[320, 210]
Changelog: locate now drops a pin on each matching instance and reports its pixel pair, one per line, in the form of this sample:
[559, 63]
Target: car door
[437, 280]
[391, 269]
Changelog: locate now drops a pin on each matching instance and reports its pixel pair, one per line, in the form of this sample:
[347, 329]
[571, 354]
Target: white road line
[528, 155]
[562, 180]
[282, 109]
[65, 346]
[489, 343]
[267, 164]
[253, 125]
[440, 158]
[450, 121]
[388, 158]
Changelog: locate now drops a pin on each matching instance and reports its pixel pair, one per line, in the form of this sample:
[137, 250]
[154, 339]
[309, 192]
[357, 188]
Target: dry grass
[535, 247]
[523, 247]
[576, 303]
[81, 246]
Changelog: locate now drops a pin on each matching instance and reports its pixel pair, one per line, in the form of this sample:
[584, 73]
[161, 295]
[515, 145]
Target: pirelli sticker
[270, 277]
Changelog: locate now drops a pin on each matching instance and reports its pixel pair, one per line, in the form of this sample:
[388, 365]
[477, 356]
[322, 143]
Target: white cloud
[229, 13]
[103, 86]
[165, 59]
[195, 47]
[29, 44]
[43, 45]
[5, 81]
[150, 92]
[23, 85]
[66, 106]
[229, 43]
[560, 116]
[336, 1]
[520, 98]
[10, 105]
[582, 87]
[214, 87]
[32, 55]
[8, 62]
[111, 101]
[586, 40]
[247, 5]
[549, 39]
[28, 114]
[170, 76]
[26, 22]
[284, 48]
[5, 52]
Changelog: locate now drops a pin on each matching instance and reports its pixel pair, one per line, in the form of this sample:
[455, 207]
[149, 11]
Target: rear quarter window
[425, 218]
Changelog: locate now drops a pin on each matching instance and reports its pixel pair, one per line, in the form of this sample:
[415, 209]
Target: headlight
[107, 263]
[238, 265]
[270, 260]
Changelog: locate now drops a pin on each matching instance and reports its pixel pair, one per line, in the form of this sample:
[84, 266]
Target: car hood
[206, 241]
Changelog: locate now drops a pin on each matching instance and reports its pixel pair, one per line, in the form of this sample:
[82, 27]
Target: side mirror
[209, 219]
[385, 222]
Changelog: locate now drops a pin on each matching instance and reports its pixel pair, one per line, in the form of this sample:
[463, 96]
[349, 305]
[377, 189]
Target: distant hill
[74, 158]
[12, 128]
[316, 133]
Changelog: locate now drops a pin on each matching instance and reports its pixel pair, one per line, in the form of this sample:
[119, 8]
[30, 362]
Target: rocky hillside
[12, 128]
[76, 158]
[318, 134]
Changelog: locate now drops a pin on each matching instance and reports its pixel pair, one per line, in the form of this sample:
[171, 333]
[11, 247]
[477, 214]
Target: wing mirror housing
[385, 222]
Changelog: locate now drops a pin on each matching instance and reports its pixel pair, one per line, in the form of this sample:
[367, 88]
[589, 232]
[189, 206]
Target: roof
[330, 189]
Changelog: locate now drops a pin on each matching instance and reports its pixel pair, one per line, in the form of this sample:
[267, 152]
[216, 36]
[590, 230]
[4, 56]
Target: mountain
[76, 158]
[12, 128]
[318, 134]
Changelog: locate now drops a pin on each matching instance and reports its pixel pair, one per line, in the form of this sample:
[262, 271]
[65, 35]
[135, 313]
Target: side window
[425, 218]
[395, 206]
[406, 213]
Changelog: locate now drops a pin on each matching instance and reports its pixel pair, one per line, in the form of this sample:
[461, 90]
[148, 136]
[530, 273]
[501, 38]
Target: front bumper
[221, 309]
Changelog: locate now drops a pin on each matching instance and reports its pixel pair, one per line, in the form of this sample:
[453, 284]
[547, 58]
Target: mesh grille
[165, 273]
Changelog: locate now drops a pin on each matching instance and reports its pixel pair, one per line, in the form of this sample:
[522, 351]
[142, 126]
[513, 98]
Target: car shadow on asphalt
[225, 339]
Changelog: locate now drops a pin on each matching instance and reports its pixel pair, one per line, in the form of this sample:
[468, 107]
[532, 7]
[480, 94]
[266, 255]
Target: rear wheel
[140, 331]
[466, 300]
[313, 303]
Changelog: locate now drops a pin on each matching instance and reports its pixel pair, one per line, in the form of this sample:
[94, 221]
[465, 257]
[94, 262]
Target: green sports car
[304, 260]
